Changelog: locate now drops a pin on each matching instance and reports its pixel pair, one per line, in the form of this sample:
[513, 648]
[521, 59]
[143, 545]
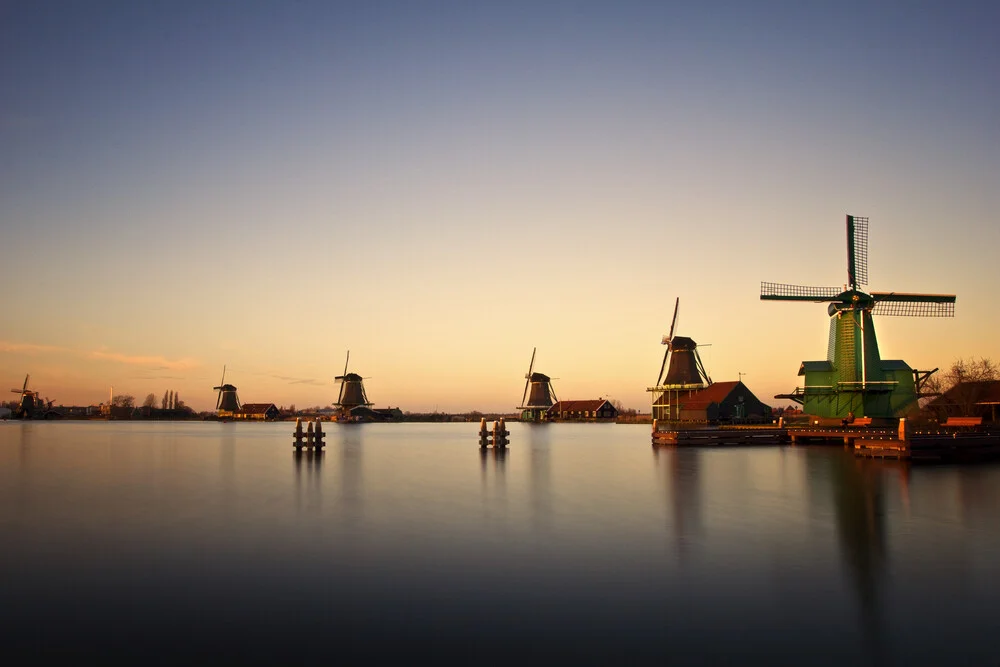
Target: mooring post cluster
[495, 436]
[312, 438]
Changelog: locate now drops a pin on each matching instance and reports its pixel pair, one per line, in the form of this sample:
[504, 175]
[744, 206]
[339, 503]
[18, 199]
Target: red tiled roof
[257, 408]
[591, 405]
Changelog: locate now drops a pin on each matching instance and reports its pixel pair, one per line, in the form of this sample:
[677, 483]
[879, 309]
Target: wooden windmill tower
[352, 391]
[685, 373]
[538, 395]
[227, 403]
[28, 402]
[854, 379]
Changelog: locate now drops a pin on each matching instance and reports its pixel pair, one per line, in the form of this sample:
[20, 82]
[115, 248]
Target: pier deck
[942, 444]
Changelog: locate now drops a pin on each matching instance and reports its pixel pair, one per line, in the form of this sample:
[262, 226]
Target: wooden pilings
[312, 438]
[495, 437]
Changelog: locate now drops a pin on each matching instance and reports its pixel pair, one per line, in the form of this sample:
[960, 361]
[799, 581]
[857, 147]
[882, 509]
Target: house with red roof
[598, 409]
[719, 401]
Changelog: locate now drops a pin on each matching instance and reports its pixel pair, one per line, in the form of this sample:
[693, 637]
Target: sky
[442, 187]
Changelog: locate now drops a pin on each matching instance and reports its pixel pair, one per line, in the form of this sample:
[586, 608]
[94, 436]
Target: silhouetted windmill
[227, 401]
[28, 402]
[685, 372]
[854, 379]
[535, 404]
[352, 390]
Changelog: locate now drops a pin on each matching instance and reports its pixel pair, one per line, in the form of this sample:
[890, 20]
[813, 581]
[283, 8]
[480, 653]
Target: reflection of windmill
[854, 378]
[536, 402]
[352, 390]
[685, 372]
[227, 402]
[29, 401]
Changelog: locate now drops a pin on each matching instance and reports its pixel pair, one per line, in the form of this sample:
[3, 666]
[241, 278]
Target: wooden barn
[257, 412]
[968, 399]
[719, 401]
[598, 409]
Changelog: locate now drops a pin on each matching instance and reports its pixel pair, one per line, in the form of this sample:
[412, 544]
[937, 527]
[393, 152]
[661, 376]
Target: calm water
[210, 542]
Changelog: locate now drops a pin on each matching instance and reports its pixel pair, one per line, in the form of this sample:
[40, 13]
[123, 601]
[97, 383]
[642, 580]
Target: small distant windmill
[352, 391]
[536, 403]
[685, 372]
[227, 402]
[29, 401]
[854, 379]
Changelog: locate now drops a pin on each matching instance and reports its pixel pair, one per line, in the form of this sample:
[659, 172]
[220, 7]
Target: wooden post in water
[319, 436]
[298, 433]
[500, 434]
[484, 434]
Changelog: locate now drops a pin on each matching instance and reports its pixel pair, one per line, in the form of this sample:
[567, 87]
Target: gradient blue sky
[441, 186]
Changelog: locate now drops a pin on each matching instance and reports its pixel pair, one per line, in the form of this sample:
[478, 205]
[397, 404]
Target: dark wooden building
[968, 399]
[598, 409]
[257, 412]
[719, 401]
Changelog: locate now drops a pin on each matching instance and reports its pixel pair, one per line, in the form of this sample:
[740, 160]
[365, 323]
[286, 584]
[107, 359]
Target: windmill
[536, 403]
[227, 402]
[685, 372]
[352, 390]
[29, 401]
[854, 379]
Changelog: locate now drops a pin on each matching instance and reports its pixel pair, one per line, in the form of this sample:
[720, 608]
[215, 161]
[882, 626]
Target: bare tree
[163, 403]
[150, 401]
[123, 401]
[963, 386]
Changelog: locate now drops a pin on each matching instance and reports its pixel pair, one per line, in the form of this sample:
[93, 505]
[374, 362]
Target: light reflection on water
[580, 543]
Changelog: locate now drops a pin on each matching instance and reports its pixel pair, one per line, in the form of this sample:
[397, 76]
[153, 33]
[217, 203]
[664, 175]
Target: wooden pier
[937, 445]
[954, 442]
[725, 436]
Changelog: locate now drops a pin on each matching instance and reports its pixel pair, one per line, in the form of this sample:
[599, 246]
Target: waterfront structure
[854, 380]
[684, 373]
[28, 402]
[227, 403]
[257, 412]
[363, 413]
[352, 391]
[968, 399]
[718, 402]
[538, 395]
[598, 409]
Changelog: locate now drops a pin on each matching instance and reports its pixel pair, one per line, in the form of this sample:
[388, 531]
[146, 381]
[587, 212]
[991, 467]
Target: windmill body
[227, 403]
[854, 379]
[28, 403]
[352, 392]
[685, 373]
[538, 395]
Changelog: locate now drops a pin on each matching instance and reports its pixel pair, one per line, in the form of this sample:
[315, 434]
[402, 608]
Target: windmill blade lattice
[784, 292]
[857, 251]
[913, 305]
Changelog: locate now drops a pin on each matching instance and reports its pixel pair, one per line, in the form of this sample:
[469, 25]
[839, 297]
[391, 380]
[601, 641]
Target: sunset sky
[439, 187]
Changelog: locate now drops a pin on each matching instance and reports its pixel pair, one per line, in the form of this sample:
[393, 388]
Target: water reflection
[495, 459]
[678, 467]
[227, 460]
[350, 441]
[308, 479]
[540, 489]
[860, 515]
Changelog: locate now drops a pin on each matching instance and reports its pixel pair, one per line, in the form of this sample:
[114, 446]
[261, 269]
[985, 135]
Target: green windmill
[854, 379]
